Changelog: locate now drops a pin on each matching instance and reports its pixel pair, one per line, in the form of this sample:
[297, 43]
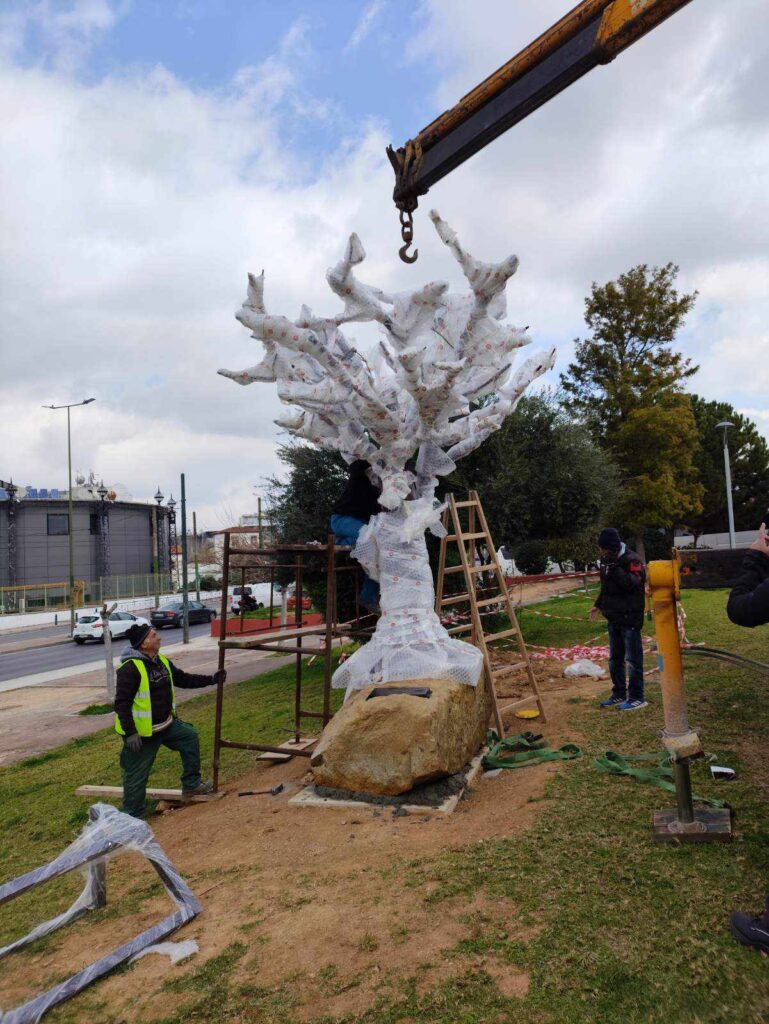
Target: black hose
[730, 657]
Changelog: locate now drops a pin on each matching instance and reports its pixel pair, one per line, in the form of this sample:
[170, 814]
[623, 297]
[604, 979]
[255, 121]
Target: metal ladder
[466, 542]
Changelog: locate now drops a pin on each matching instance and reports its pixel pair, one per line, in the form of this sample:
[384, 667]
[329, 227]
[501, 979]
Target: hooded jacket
[127, 686]
[748, 603]
[622, 597]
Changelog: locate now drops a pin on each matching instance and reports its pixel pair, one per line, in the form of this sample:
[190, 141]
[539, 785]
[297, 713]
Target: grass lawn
[622, 930]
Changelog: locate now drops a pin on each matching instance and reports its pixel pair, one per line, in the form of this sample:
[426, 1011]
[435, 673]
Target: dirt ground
[314, 893]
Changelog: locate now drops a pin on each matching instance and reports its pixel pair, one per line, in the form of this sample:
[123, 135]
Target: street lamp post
[72, 405]
[172, 538]
[185, 584]
[106, 561]
[156, 547]
[724, 425]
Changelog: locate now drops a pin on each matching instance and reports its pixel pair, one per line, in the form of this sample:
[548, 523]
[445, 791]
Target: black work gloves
[134, 743]
[219, 677]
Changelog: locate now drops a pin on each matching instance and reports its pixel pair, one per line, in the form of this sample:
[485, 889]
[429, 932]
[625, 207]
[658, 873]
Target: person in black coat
[145, 716]
[748, 605]
[621, 602]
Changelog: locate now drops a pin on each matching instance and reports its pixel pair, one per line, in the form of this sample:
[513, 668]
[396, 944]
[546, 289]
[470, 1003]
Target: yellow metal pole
[684, 823]
[679, 738]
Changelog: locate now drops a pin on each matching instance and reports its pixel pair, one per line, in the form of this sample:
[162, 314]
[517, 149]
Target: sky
[152, 152]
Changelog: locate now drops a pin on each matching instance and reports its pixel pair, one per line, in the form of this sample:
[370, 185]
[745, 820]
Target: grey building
[111, 538]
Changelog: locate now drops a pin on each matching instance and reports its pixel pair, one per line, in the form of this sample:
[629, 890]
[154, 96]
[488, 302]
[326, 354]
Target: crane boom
[592, 33]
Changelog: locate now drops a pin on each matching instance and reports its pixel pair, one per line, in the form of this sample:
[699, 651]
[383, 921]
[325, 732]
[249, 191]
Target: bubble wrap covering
[409, 642]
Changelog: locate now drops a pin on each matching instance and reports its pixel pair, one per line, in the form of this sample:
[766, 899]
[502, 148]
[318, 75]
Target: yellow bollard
[679, 738]
[682, 743]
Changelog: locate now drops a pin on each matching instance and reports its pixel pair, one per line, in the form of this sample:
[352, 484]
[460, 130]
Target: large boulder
[388, 744]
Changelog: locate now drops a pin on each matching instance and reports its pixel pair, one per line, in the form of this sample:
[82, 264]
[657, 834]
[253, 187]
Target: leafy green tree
[749, 464]
[626, 384]
[299, 509]
[540, 477]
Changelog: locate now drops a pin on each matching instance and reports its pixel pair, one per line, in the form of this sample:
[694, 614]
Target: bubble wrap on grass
[409, 642]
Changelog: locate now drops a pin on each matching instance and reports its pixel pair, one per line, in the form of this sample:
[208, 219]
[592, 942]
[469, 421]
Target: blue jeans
[625, 647]
[347, 529]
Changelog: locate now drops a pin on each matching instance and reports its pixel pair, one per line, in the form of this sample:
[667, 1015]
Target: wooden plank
[170, 795]
[518, 703]
[465, 536]
[499, 636]
[271, 755]
[459, 629]
[471, 568]
[508, 670]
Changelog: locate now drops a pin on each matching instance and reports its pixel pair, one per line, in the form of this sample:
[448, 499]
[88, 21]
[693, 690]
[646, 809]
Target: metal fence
[54, 596]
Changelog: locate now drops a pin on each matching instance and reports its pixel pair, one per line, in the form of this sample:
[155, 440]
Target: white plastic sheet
[442, 380]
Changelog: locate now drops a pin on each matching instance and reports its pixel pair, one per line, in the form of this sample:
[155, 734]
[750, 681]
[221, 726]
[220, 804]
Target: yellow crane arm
[592, 33]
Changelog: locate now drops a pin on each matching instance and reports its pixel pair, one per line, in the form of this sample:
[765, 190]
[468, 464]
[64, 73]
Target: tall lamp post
[724, 425]
[72, 405]
[172, 537]
[156, 546]
[106, 561]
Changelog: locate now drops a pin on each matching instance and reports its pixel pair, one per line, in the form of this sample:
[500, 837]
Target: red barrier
[261, 625]
[545, 577]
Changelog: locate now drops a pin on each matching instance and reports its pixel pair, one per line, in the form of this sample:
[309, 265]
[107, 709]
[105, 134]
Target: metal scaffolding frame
[298, 559]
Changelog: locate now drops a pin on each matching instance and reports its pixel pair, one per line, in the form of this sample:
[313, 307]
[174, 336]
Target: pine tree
[626, 383]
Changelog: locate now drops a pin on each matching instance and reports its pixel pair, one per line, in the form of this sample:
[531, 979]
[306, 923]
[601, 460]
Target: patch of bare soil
[316, 894]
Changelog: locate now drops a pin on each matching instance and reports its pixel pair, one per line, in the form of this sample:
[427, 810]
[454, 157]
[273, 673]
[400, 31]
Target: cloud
[365, 24]
[64, 30]
[133, 207]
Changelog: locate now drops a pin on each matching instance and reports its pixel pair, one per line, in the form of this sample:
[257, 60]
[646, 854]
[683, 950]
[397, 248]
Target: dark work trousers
[137, 767]
[625, 647]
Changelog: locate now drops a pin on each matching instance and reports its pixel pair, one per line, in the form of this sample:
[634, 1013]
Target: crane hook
[405, 256]
[407, 234]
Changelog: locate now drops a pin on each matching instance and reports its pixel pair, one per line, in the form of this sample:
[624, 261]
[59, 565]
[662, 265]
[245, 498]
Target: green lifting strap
[524, 750]
[660, 775]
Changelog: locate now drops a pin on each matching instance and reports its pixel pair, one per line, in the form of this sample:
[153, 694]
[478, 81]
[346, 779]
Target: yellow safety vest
[141, 709]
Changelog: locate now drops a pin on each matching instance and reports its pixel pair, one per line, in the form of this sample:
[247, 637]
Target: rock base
[389, 744]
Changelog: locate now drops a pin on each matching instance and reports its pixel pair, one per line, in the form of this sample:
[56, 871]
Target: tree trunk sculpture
[440, 382]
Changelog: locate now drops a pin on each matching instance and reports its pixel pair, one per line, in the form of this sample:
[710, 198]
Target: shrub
[531, 557]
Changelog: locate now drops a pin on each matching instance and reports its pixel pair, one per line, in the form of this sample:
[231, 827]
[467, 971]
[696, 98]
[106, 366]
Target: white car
[89, 626]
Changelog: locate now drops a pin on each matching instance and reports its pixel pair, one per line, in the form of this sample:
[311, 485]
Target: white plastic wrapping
[440, 383]
[409, 642]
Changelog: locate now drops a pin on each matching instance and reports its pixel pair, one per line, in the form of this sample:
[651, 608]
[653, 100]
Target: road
[48, 659]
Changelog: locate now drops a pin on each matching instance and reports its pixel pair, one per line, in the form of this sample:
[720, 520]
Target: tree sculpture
[440, 383]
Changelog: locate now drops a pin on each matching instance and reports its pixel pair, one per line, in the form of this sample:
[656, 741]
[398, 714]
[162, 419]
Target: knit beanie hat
[609, 539]
[137, 634]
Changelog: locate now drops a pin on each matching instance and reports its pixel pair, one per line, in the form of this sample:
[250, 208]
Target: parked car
[90, 627]
[172, 614]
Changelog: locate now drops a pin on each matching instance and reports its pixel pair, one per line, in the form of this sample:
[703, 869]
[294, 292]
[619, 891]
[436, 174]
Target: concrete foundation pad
[309, 797]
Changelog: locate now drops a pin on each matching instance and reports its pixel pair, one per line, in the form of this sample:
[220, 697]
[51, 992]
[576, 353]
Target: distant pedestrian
[621, 602]
[145, 716]
[748, 605]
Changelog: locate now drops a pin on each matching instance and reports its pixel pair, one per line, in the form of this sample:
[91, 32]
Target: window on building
[58, 525]
[94, 522]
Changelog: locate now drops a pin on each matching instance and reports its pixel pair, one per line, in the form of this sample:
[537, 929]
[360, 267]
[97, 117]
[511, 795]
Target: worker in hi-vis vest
[145, 716]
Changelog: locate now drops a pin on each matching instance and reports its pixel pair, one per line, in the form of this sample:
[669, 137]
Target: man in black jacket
[748, 605]
[145, 716]
[621, 602]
